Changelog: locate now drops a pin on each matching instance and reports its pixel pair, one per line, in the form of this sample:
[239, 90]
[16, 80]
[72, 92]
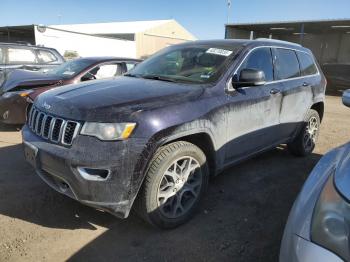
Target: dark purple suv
[150, 140]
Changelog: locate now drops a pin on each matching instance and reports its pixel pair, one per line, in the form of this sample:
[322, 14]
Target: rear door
[296, 90]
[253, 111]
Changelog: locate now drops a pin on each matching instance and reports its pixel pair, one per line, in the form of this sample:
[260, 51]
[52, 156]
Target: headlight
[108, 131]
[331, 221]
[22, 93]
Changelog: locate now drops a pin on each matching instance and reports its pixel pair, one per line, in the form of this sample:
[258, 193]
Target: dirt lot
[241, 219]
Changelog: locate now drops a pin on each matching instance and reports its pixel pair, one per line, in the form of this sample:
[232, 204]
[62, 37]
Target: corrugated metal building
[328, 39]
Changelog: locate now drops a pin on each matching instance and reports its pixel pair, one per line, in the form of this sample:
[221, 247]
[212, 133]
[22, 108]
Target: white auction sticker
[68, 73]
[218, 51]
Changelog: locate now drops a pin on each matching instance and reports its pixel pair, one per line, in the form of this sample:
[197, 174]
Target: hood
[116, 99]
[26, 78]
[342, 171]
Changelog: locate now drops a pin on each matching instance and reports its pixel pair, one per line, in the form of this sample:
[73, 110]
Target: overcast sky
[204, 18]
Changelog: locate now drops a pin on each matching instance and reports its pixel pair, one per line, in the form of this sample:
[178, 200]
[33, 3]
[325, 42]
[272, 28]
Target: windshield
[192, 64]
[70, 69]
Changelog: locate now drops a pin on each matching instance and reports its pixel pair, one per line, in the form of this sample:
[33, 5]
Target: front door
[253, 112]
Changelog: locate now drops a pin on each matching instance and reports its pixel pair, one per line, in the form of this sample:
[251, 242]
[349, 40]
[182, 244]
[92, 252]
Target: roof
[112, 27]
[245, 42]
[26, 45]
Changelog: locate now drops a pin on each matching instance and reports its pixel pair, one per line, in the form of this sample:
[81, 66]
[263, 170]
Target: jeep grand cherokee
[150, 139]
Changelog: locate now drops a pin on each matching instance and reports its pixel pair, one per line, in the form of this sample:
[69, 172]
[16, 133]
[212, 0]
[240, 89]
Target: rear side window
[46, 57]
[21, 55]
[307, 64]
[260, 59]
[130, 66]
[286, 64]
[1, 56]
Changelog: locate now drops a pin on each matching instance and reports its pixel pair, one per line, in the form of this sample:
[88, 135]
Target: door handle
[306, 84]
[274, 91]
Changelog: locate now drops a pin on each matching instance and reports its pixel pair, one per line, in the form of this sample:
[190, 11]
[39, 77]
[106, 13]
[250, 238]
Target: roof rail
[277, 41]
[16, 43]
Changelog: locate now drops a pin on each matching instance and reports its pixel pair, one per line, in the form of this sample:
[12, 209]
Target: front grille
[54, 129]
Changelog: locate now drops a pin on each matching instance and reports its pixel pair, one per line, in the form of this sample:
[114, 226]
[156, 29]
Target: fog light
[5, 115]
[94, 174]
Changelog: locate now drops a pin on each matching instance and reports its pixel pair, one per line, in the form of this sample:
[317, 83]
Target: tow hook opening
[94, 174]
[63, 186]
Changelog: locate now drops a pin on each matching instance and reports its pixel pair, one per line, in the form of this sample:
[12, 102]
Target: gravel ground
[241, 219]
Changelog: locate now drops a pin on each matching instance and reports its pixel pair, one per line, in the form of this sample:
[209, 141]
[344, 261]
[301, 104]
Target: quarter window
[21, 55]
[286, 64]
[1, 56]
[307, 64]
[46, 57]
[260, 59]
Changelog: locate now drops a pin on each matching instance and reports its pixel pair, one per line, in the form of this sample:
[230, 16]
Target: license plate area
[30, 153]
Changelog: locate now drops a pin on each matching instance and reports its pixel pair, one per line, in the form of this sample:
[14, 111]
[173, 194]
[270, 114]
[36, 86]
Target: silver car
[318, 227]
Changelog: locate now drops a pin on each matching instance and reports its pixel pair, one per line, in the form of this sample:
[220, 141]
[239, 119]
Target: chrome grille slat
[35, 113]
[70, 131]
[52, 128]
[39, 123]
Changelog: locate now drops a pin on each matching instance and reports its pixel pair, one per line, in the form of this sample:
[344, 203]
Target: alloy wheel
[310, 134]
[179, 187]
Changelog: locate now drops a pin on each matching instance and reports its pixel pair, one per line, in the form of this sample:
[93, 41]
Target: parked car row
[150, 139]
[21, 85]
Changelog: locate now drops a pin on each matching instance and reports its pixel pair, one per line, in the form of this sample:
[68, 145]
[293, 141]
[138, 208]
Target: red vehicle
[20, 86]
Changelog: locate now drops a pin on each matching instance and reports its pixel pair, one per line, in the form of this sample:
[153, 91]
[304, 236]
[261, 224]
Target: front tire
[175, 182]
[304, 143]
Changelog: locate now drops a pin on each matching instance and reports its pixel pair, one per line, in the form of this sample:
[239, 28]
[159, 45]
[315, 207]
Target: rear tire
[175, 182]
[304, 143]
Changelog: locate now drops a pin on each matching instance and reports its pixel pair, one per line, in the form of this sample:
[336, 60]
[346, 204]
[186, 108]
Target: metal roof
[113, 27]
[289, 22]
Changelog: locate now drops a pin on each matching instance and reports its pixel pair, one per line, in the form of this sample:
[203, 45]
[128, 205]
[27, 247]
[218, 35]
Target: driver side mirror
[87, 77]
[346, 97]
[250, 77]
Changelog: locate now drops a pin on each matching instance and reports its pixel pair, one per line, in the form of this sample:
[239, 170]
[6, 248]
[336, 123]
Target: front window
[260, 59]
[199, 64]
[69, 69]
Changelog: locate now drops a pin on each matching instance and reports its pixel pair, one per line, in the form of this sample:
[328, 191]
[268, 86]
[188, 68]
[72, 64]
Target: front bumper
[13, 109]
[306, 251]
[58, 166]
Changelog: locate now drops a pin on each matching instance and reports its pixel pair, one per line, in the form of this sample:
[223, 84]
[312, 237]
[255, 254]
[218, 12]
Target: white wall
[85, 45]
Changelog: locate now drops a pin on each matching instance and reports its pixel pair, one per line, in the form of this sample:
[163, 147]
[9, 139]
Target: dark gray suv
[152, 138]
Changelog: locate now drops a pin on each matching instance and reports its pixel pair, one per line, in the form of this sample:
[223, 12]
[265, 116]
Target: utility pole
[228, 11]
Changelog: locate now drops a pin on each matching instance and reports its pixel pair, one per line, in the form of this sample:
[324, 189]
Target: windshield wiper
[131, 75]
[158, 77]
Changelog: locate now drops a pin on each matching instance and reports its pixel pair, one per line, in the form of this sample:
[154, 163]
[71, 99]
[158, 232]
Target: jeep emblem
[46, 106]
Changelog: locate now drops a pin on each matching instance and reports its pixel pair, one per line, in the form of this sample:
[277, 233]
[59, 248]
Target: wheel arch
[201, 139]
[319, 107]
